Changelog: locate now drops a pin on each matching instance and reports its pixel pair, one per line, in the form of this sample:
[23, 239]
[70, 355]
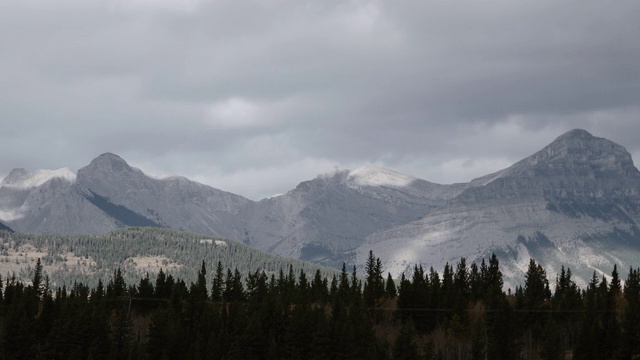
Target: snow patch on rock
[371, 175]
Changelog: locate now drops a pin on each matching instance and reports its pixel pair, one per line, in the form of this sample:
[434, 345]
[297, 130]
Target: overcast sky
[254, 97]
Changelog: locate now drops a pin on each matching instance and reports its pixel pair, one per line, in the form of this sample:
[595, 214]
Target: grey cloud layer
[255, 96]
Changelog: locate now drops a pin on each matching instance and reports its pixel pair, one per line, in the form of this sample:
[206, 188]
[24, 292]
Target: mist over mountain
[576, 202]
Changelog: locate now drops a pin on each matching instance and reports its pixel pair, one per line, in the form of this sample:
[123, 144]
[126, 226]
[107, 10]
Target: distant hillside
[136, 251]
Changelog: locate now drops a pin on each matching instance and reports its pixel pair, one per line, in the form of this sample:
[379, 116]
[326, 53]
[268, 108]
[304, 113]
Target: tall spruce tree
[37, 278]
[374, 282]
[217, 286]
[390, 287]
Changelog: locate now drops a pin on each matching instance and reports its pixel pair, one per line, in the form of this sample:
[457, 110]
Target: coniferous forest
[460, 312]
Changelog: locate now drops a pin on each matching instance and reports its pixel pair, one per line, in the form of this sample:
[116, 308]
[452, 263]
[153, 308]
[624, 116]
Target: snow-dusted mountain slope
[108, 194]
[326, 218]
[323, 219]
[27, 200]
[576, 202]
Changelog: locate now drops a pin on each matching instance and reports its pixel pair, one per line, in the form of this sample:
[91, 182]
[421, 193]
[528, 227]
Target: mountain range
[574, 203]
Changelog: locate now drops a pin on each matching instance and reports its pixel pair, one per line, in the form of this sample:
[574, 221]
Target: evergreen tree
[333, 289]
[343, 283]
[145, 291]
[615, 281]
[493, 279]
[536, 298]
[629, 343]
[406, 298]
[303, 288]
[355, 287]
[476, 282]
[117, 286]
[390, 287]
[447, 290]
[566, 300]
[461, 289]
[319, 289]
[201, 283]
[536, 286]
[227, 295]
[160, 288]
[37, 278]
[257, 286]
[145, 288]
[218, 283]
[374, 282]
[98, 294]
[588, 346]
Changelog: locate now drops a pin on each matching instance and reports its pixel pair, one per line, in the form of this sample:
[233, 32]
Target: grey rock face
[174, 202]
[576, 164]
[325, 219]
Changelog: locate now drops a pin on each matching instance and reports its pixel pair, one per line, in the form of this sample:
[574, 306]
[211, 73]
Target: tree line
[458, 313]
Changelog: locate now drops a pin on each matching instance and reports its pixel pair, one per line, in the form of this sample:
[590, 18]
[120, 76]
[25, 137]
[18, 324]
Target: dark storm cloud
[255, 96]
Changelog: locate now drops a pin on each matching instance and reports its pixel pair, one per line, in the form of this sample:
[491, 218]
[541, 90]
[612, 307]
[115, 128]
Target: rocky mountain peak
[576, 134]
[577, 153]
[108, 162]
[16, 176]
[576, 144]
[576, 165]
[109, 173]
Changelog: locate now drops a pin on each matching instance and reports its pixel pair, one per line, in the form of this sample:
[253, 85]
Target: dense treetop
[458, 313]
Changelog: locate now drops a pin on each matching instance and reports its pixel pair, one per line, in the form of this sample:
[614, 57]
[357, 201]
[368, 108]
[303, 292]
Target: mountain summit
[110, 174]
[107, 162]
[575, 165]
[578, 153]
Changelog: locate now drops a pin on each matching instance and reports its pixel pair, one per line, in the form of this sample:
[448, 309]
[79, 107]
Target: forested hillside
[136, 251]
[461, 313]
